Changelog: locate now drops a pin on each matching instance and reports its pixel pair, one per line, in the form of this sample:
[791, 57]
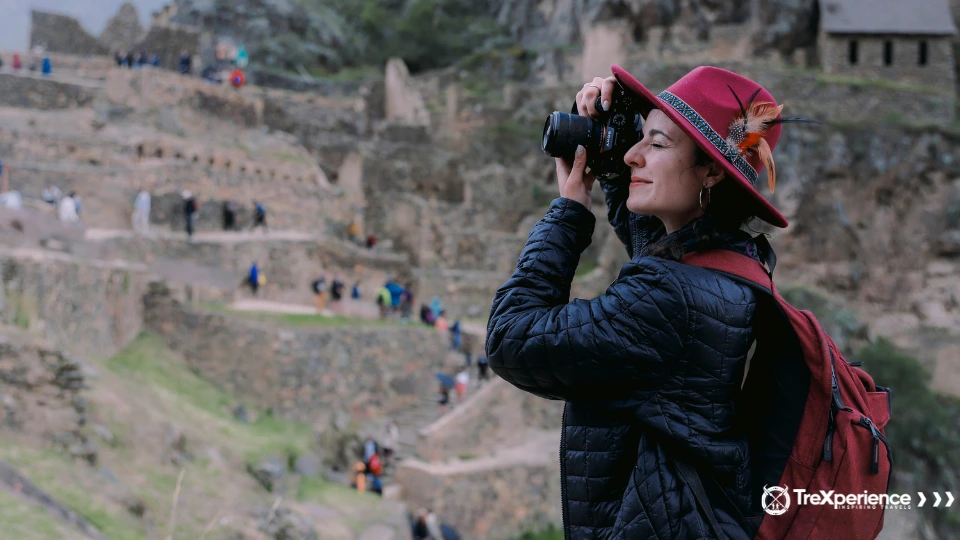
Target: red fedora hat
[704, 107]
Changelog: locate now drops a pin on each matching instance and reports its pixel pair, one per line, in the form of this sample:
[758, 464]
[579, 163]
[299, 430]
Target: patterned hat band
[732, 154]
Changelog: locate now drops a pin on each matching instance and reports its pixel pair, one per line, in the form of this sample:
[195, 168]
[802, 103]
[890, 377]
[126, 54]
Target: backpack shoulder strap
[734, 264]
[689, 475]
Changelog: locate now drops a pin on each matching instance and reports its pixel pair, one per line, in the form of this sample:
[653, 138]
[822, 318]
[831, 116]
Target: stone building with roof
[905, 41]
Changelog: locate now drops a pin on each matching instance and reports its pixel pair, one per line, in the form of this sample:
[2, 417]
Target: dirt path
[222, 237]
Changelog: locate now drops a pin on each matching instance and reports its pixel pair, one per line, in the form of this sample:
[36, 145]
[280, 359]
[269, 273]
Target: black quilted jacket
[649, 371]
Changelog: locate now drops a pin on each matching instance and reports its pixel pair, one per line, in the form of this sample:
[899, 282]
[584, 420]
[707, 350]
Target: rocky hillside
[330, 35]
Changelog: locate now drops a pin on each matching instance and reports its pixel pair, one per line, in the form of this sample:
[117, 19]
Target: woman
[650, 369]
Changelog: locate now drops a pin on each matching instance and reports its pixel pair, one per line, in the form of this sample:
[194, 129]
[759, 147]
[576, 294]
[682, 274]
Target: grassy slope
[140, 394]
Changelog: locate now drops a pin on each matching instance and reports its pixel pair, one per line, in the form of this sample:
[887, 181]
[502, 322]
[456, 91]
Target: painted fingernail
[606, 105]
[579, 150]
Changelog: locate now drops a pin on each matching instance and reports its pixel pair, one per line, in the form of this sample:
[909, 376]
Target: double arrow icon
[938, 499]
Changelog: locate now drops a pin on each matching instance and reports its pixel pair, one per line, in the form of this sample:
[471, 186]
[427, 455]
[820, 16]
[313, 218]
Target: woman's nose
[634, 157]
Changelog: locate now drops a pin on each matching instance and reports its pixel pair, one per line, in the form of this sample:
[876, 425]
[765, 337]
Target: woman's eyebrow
[653, 132]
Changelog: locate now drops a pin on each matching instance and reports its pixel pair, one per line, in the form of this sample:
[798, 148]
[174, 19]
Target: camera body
[606, 138]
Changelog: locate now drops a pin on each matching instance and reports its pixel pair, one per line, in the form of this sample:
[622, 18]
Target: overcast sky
[93, 15]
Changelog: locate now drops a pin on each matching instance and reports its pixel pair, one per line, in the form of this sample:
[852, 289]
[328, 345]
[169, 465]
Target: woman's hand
[574, 181]
[587, 97]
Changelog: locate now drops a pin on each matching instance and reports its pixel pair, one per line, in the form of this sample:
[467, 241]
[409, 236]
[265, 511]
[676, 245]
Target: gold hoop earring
[701, 199]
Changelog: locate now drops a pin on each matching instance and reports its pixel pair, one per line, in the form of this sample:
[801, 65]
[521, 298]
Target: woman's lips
[634, 181]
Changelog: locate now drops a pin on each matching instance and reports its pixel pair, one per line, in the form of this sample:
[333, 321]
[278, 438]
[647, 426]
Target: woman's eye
[656, 145]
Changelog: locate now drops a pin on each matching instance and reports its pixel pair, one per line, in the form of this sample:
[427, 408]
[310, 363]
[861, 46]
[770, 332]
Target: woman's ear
[714, 175]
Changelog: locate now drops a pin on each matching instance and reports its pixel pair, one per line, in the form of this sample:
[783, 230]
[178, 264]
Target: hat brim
[758, 204]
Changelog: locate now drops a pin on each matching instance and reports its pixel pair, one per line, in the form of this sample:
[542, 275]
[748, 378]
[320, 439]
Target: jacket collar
[647, 229]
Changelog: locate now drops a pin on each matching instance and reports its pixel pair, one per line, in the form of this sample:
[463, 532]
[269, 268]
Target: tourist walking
[336, 293]
[391, 439]
[406, 303]
[51, 195]
[456, 336]
[189, 211]
[483, 368]
[67, 210]
[319, 287]
[259, 216]
[185, 62]
[436, 307]
[229, 215]
[254, 278]
[141, 212]
[462, 380]
[383, 301]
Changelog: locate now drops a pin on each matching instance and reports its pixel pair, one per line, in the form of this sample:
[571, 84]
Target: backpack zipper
[836, 405]
[563, 474]
[877, 439]
[828, 440]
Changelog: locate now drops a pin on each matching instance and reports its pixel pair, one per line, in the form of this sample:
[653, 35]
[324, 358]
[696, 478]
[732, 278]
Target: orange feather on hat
[748, 130]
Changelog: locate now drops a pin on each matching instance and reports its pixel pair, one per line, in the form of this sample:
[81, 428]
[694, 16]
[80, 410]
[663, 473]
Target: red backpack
[840, 444]
[376, 466]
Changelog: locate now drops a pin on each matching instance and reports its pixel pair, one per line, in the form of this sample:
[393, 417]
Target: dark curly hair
[725, 215]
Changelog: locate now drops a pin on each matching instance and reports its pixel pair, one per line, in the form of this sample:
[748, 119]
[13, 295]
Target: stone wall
[303, 374]
[36, 92]
[494, 497]
[905, 67]
[497, 416]
[150, 89]
[168, 41]
[62, 34]
[86, 308]
[40, 390]
[403, 103]
[329, 127]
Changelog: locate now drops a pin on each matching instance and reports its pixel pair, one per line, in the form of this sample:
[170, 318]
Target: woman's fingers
[563, 172]
[574, 181]
[606, 92]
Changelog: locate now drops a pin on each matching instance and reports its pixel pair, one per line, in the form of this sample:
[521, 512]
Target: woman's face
[664, 181]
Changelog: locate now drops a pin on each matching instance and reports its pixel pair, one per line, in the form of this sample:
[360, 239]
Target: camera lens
[562, 132]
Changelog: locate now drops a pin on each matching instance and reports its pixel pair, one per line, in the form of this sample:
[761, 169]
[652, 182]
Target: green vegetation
[303, 320]
[53, 473]
[820, 305]
[426, 33]
[924, 431]
[147, 360]
[25, 521]
[24, 309]
[142, 392]
[925, 423]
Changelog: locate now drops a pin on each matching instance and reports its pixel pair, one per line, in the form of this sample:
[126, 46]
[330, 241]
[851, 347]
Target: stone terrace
[303, 373]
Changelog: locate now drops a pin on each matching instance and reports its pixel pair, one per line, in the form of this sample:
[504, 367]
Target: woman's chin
[638, 207]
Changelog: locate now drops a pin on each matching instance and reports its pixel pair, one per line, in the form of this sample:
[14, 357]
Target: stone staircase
[500, 440]
[411, 421]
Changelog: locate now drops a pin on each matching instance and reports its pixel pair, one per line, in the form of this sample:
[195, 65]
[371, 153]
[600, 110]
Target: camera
[606, 139]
